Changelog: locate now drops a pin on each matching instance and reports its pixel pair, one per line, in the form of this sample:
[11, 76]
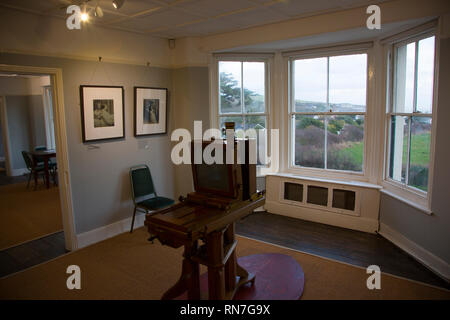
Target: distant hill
[313, 106]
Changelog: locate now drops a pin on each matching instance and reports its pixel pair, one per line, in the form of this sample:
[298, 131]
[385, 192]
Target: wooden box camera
[234, 181]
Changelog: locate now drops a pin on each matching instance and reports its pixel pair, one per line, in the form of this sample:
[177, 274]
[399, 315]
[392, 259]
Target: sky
[347, 78]
[253, 74]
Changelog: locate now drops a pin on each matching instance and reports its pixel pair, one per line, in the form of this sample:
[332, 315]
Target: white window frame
[215, 96]
[419, 198]
[369, 155]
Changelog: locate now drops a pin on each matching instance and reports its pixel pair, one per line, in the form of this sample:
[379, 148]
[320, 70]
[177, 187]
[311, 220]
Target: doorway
[54, 138]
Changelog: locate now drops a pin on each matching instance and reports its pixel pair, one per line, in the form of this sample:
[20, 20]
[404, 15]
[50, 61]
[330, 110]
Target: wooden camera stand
[208, 215]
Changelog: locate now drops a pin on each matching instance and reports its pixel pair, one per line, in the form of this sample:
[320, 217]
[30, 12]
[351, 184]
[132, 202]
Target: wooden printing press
[204, 223]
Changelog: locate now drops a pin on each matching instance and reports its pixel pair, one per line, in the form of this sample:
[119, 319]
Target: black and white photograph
[150, 111]
[102, 112]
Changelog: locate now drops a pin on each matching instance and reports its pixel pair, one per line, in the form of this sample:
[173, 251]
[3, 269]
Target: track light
[118, 3]
[98, 12]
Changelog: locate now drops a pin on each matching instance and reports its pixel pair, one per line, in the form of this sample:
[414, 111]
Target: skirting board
[322, 216]
[111, 230]
[429, 260]
[19, 172]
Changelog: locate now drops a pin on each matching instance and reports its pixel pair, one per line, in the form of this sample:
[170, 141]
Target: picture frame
[102, 112]
[150, 111]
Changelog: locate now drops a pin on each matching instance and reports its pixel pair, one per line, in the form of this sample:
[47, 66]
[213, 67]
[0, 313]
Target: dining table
[44, 155]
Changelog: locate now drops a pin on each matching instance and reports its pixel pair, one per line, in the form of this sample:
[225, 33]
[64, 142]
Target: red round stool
[277, 277]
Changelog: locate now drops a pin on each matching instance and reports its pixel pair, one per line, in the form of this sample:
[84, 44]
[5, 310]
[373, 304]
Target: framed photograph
[150, 111]
[102, 112]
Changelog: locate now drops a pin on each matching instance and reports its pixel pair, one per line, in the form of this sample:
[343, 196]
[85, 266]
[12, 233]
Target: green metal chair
[143, 191]
[32, 169]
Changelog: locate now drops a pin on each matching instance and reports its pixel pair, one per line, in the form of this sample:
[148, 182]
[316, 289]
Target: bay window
[410, 112]
[327, 111]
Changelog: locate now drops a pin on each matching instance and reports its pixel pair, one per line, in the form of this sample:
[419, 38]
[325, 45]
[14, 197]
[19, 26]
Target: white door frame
[65, 191]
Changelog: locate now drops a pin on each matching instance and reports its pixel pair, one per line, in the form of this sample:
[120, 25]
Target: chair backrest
[40, 148]
[27, 159]
[141, 183]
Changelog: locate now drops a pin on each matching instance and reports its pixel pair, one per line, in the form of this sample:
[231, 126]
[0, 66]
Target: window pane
[254, 87]
[399, 148]
[348, 76]
[345, 142]
[419, 159]
[310, 85]
[309, 141]
[230, 87]
[259, 124]
[404, 78]
[425, 75]
[238, 122]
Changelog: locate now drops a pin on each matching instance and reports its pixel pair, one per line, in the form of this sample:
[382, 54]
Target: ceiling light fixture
[117, 4]
[84, 17]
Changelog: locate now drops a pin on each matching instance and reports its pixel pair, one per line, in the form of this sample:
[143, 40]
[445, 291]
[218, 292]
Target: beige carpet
[26, 214]
[129, 267]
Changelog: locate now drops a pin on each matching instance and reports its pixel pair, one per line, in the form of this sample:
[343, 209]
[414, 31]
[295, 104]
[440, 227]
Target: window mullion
[325, 148]
[416, 60]
[242, 87]
[326, 142]
[408, 155]
[328, 83]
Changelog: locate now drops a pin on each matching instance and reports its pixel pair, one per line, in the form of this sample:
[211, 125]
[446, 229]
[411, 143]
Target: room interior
[353, 162]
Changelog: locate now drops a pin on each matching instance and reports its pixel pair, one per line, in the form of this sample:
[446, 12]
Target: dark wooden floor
[31, 253]
[4, 179]
[353, 247]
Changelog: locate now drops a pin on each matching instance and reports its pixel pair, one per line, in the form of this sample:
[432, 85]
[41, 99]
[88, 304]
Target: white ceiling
[187, 18]
[331, 38]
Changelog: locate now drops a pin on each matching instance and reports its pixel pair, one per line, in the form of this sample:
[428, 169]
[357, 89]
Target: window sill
[413, 204]
[351, 183]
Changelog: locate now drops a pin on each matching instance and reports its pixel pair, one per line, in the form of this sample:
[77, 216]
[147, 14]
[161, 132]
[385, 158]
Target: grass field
[420, 150]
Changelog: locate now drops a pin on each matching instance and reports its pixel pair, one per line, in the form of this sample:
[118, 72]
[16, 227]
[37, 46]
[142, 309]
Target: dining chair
[33, 170]
[144, 194]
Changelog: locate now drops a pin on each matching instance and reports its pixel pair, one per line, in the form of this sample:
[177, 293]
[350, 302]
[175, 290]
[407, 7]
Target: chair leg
[29, 179]
[132, 221]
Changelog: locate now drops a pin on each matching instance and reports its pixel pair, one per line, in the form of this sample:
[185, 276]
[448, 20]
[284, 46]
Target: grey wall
[191, 103]
[430, 232]
[26, 125]
[99, 177]
[37, 120]
[2, 147]
[18, 128]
